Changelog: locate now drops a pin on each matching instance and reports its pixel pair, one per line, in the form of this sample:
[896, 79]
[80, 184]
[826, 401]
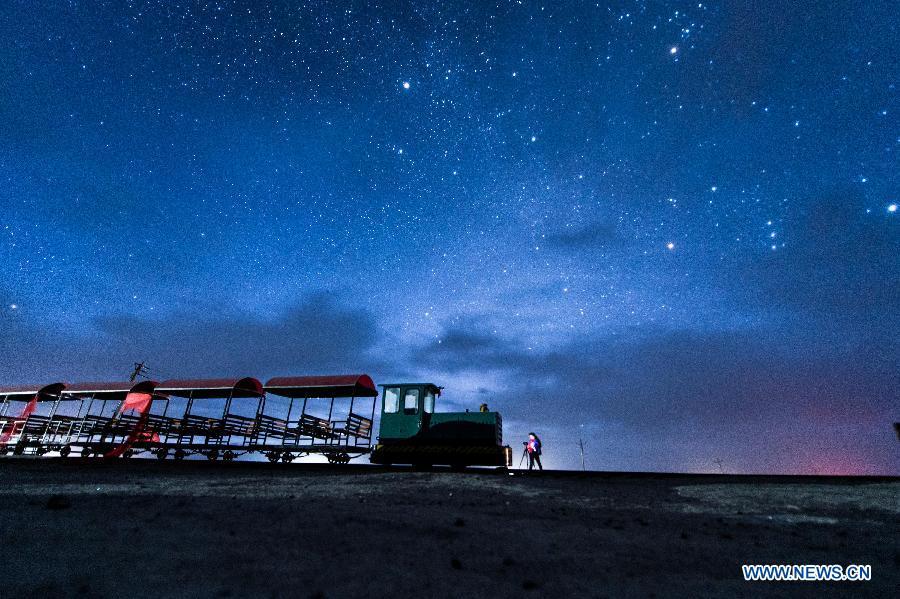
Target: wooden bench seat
[35, 426]
[153, 424]
[94, 425]
[11, 426]
[314, 427]
[355, 426]
[62, 425]
[161, 425]
[123, 425]
[193, 425]
[269, 426]
[239, 426]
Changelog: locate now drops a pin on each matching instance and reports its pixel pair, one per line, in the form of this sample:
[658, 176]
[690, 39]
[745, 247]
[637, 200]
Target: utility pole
[581, 444]
[139, 370]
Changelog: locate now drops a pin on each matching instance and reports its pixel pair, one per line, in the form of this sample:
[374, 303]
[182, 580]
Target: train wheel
[64, 451]
[228, 456]
[213, 455]
[85, 452]
[128, 453]
[273, 456]
[180, 454]
[287, 457]
[162, 453]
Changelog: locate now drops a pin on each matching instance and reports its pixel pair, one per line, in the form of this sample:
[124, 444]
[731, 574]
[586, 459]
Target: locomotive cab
[413, 432]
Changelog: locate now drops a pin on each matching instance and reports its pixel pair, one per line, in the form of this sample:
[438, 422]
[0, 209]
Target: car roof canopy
[341, 385]
[27, 392]
[110, 390]
[212, 388]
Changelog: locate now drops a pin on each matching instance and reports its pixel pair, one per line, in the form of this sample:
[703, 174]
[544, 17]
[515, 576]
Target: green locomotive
[412, 432]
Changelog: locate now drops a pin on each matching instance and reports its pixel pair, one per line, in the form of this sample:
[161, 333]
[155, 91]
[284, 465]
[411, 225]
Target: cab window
[391, 400]
[411, 401]
[429, 402]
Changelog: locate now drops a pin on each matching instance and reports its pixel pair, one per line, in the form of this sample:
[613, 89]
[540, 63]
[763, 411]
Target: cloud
[468, 345]
[594, 235]
[318, 335]
[676, 400]
[763, 399]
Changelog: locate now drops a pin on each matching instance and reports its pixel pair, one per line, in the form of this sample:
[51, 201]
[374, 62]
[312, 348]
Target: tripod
[524, 454]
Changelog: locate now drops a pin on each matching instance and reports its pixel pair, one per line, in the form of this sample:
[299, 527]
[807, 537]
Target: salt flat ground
[139, 528]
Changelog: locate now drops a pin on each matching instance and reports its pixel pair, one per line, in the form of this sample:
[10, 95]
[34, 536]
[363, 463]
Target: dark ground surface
[195, 529]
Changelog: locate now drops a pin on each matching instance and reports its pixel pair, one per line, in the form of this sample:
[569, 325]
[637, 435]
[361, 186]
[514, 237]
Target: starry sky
[669, 229]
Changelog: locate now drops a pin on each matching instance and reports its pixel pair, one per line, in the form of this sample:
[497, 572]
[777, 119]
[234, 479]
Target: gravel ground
[197, 529]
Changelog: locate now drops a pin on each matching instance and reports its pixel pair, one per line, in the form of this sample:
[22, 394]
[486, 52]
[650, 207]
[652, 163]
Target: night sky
[668, 228]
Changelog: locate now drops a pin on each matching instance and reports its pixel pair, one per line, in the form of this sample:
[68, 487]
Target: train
[412, 431]
[282, 420]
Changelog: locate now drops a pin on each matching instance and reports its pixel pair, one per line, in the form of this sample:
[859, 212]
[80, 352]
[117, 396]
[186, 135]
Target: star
[311, 174]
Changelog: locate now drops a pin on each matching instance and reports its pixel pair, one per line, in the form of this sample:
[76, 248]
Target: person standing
[534, 451]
